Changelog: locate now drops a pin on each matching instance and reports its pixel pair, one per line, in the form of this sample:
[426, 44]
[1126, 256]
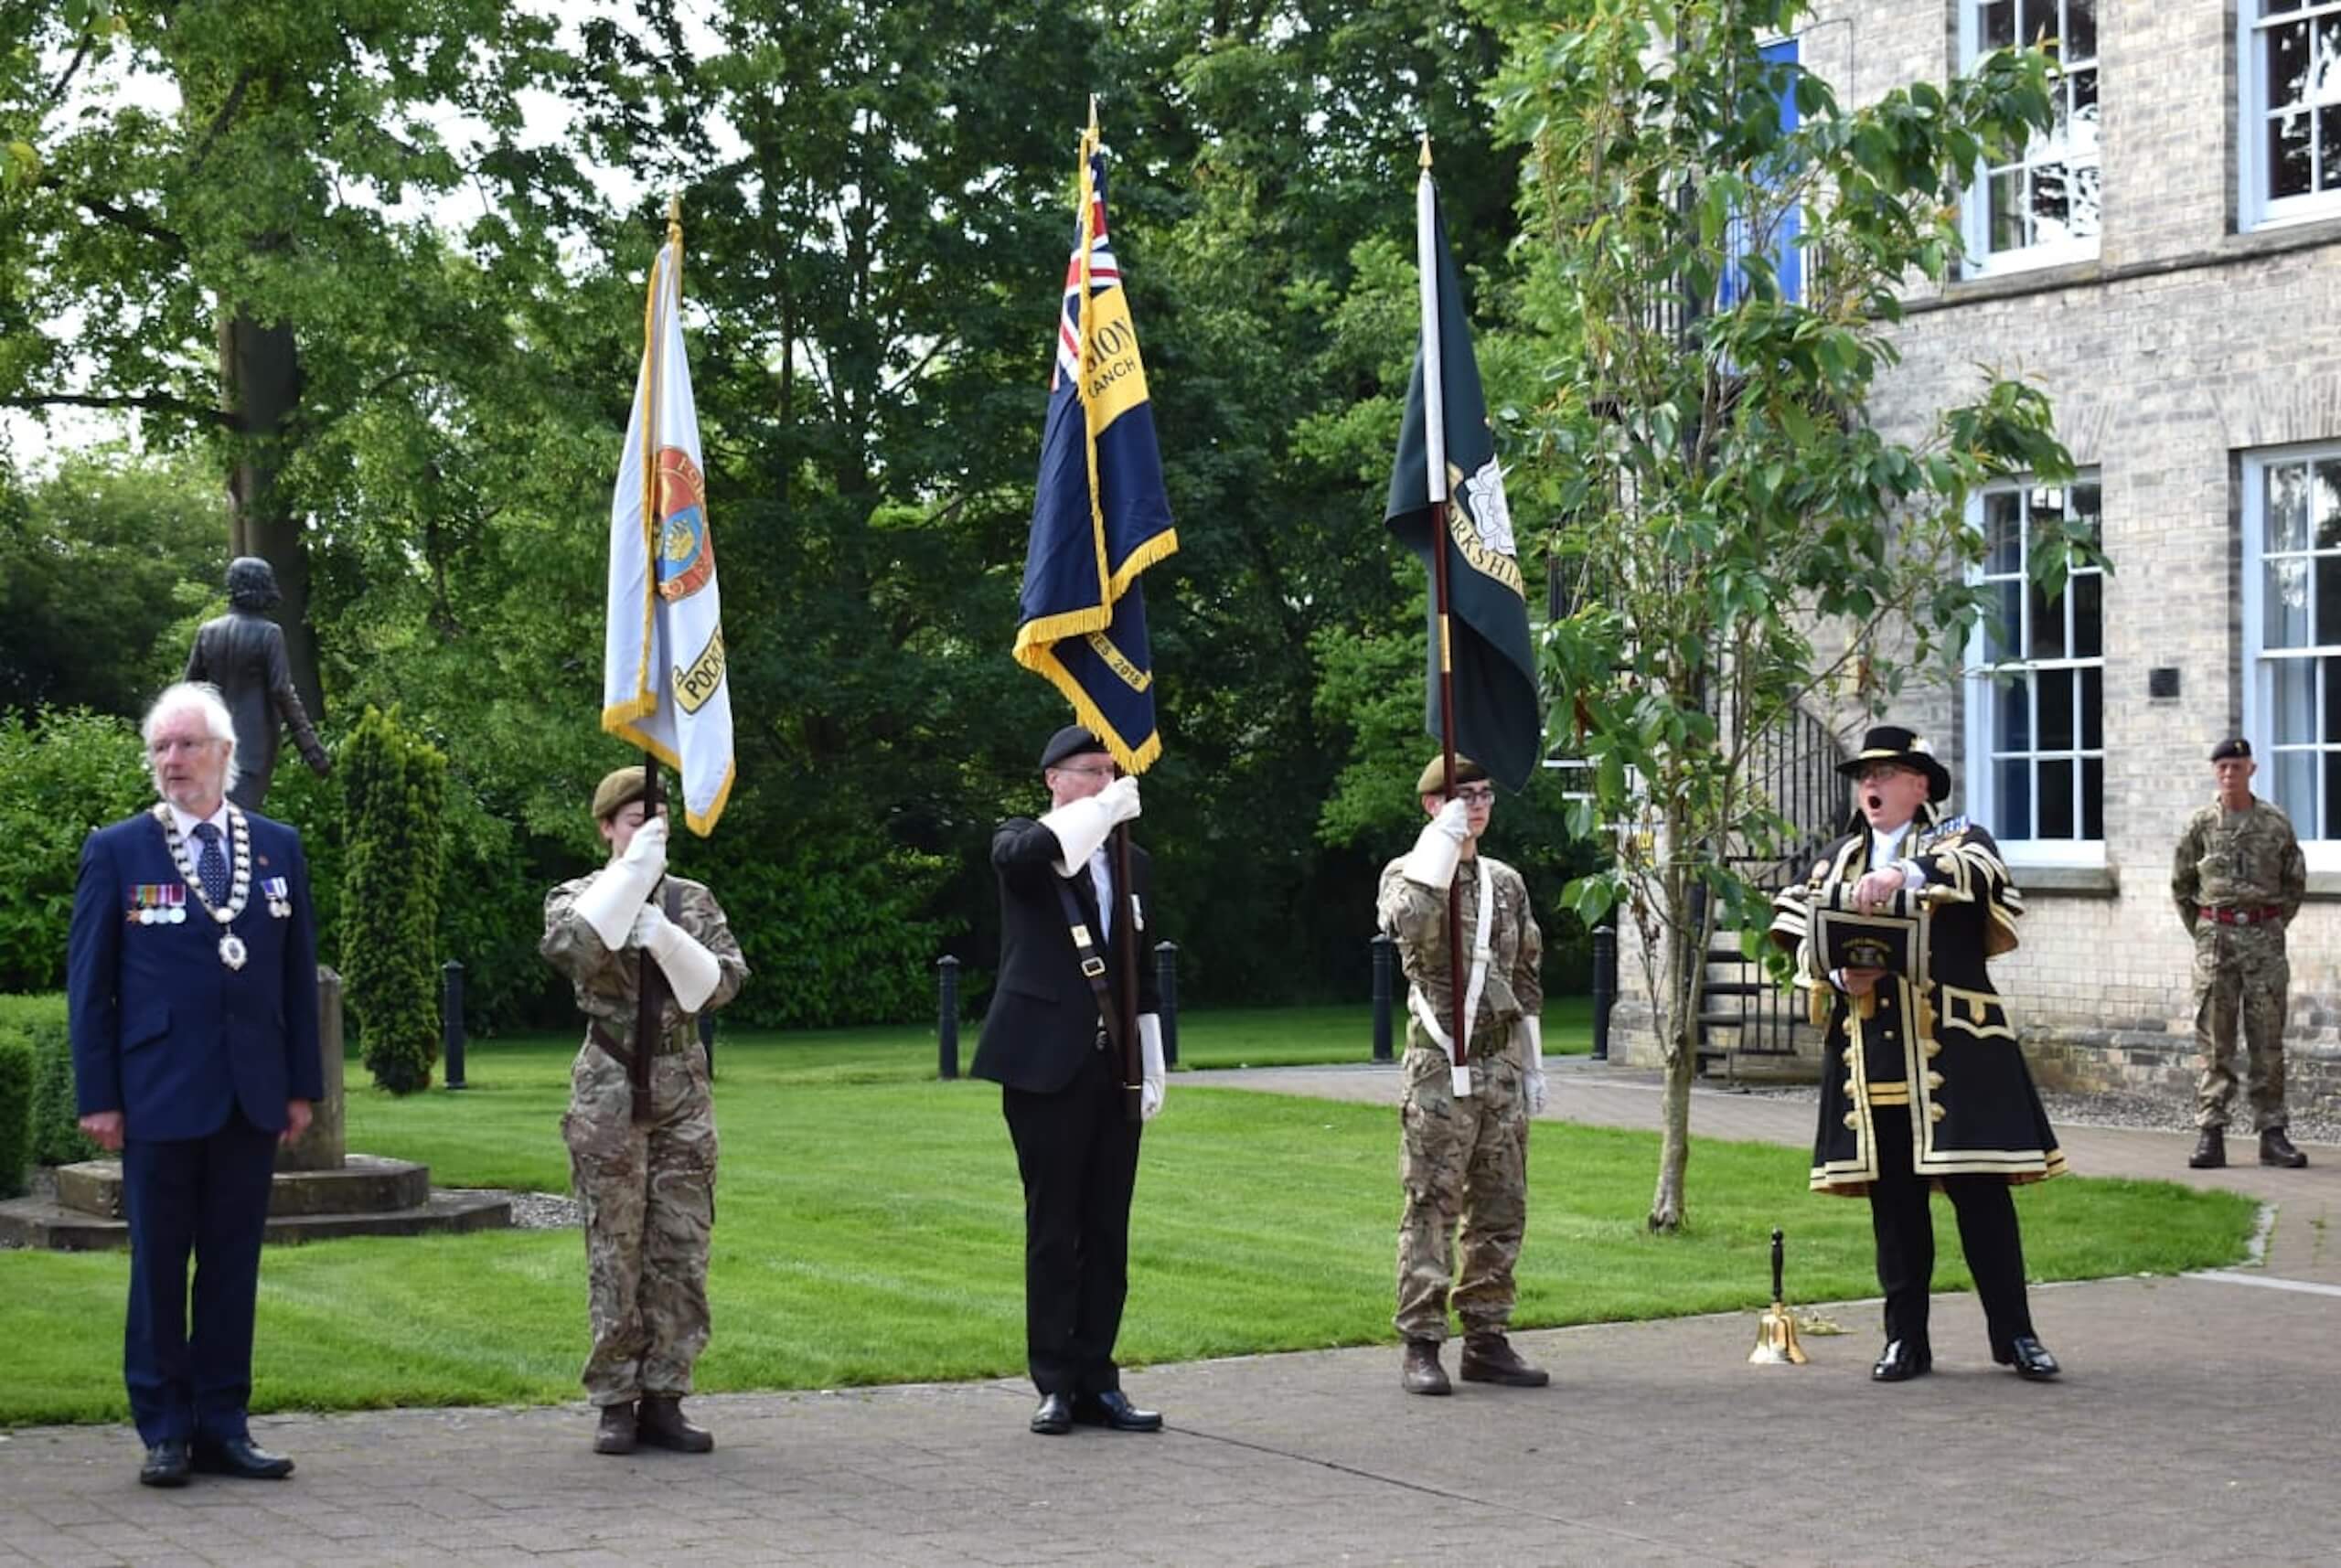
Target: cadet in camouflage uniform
[648, 1186]
[1464, 1158]
[2239, 878]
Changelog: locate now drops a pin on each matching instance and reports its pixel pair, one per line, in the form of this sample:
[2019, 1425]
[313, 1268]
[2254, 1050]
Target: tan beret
[1434, 775]
[613, 793]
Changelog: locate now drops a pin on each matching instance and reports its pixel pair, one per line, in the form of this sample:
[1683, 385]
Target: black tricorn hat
[2233, 746]
[1072, 740]
[1893, 743]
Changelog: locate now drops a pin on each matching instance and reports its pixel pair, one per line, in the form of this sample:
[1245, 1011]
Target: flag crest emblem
[686, 550]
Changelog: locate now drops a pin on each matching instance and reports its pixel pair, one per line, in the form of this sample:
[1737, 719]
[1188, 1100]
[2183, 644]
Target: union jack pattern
[1104, 273]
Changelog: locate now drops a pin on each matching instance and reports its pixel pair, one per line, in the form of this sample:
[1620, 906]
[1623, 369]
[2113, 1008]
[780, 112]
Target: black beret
[2233, 746]
[1072, 740]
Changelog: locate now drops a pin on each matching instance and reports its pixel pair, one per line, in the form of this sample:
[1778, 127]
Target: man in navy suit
[193, 984]
[1046, 1043]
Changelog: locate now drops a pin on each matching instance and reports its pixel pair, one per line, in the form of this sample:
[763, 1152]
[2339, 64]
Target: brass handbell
[1776, 1343]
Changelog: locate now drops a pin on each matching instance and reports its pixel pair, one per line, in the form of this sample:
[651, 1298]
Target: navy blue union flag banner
[1447, 494]
[1099, 514]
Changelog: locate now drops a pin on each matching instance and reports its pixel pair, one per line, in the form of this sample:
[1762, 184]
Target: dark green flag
[1498, 721]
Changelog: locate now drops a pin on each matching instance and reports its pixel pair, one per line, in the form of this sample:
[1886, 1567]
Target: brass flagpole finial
[675, 220]
[1092, 114]
[1425, 160]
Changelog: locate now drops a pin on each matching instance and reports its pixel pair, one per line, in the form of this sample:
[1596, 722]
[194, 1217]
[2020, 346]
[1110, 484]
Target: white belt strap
[1481, 954]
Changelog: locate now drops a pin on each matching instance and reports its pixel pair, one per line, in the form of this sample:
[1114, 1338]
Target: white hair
[205, 699]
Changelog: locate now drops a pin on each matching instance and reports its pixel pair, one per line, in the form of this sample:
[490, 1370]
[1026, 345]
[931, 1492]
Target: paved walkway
[2194, 1426]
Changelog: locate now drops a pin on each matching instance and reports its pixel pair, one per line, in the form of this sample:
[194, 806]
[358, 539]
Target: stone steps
[45, 1222]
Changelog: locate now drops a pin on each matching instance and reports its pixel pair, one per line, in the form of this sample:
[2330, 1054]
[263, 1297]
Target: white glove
[609, 901]
[1081, 825]
[691, 970]
[1149, 1051]
[1532, 1060]
[1439, 847]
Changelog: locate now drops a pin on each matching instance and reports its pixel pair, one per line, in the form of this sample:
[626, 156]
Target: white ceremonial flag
[664, 685]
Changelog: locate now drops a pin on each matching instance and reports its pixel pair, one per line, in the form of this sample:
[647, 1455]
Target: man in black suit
[1047, 1044]
[192, 987]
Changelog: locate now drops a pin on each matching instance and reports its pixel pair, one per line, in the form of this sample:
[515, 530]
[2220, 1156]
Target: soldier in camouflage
[647, 1185]
[2239, 878]
[1464, 1158]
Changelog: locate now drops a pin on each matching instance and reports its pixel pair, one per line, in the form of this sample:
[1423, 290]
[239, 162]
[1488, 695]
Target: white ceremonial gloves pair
[1152, 1088]
[619, 890]
[691, 970]
[1081, 825]
[1437, 849]
[1531, 1032]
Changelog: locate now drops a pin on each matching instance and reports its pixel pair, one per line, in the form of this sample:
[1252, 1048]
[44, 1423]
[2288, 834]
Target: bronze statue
[242, 654]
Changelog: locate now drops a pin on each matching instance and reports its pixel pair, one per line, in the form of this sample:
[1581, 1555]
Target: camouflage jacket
[1416, 918]
[604, 980]
[2237, 859]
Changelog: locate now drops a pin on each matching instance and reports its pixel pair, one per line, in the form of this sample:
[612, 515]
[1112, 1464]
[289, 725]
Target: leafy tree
[214, 214]
[104, 566]
[1744, 542]
[62, 776]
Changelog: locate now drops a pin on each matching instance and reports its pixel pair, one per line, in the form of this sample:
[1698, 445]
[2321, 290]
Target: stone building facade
[2168, 269]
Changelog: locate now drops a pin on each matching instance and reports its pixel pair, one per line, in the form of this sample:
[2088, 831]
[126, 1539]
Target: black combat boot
[2275, 1148]
[1489, 1358]
[2210, 1149]
[1420, 1373]
[663, 1426]
[616, 1432]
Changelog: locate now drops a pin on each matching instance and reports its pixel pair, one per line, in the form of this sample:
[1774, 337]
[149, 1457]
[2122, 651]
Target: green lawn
[1294, 1037]
[870, 1231]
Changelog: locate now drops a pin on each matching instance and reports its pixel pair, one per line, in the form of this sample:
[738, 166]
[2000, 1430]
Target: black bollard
[1384, 956]
[451, 1021]
[947, 1017]
[1166, 982]
[1605, 987]
[706, 1042]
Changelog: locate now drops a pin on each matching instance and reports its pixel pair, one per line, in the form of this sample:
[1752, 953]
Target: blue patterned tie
[211, 866]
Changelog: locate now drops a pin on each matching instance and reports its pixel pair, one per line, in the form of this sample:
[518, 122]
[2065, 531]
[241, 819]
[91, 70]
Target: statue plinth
[324, 1146]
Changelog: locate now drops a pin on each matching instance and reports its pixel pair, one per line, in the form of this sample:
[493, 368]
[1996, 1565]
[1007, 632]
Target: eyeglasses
[1095, 770]
[1877, 773]
[1475, 794]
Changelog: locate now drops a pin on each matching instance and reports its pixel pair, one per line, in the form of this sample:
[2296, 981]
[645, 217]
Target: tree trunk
[1667, 1209]
[1678, 1020]
[260, 387]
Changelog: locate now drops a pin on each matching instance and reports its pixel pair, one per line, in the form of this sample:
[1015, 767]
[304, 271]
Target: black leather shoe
[240, 1458]
[2275, 1148]
[2030, 1359]
[165, 1465]
[1054, 1418]
[2210, 1150]
[1901, 1361]
[1112, 1409]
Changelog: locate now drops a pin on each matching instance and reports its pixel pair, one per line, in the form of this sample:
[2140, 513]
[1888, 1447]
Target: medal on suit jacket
[233, 952]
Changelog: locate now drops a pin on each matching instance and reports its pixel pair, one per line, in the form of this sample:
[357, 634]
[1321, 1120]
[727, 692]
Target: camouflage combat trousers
[649, 1199]
[2240, 968]
[1461, 1161]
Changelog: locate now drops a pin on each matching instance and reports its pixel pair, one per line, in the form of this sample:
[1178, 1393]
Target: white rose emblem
[1490, 514]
